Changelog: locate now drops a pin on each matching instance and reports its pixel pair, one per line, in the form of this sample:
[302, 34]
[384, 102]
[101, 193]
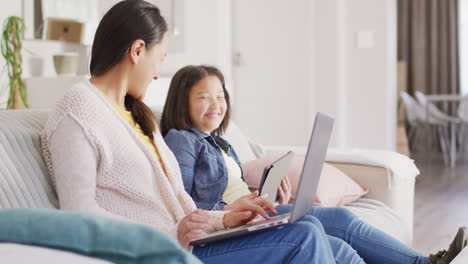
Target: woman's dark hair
[124, 23]
[176, 112]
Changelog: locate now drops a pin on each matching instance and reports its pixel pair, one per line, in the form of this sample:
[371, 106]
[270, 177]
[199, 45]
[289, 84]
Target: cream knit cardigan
[100, 165]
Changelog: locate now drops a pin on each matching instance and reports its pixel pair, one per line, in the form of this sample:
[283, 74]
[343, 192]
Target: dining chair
[418, 119]
[462, 113]
[456, 126]
[432, 110]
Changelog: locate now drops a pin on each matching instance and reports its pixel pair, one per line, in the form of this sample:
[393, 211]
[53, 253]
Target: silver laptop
[305, 194]
[273, 174]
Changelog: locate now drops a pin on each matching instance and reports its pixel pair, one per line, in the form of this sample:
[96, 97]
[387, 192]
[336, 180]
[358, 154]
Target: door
[271, 70]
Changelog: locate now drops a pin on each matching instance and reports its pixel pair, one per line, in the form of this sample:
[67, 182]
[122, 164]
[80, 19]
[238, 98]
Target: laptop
[305, 193]
[273, 174]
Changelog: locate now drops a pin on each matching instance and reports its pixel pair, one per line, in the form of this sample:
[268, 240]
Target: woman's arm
[200, 222]
[74, 163]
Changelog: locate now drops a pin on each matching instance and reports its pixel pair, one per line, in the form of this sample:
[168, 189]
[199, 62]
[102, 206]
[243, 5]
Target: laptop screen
[313, 163]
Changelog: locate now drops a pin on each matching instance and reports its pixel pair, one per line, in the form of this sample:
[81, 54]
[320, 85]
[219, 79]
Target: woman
[196, 114]
[106, 155]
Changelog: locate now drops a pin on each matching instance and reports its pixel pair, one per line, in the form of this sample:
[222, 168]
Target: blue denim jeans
[302, 242]
[373, 245]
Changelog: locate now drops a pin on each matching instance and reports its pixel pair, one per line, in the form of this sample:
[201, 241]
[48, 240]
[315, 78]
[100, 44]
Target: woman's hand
[250, 201]
[233, 219]
[193, 226]
[246, 208]
[284, 191]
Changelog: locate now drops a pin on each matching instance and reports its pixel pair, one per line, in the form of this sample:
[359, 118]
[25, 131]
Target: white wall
[271, 82]
[207, 25]
[355, 85]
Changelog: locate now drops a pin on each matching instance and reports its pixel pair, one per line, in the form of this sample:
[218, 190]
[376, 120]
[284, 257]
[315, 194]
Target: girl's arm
[187, 154]
[74, 163]
[184, 151]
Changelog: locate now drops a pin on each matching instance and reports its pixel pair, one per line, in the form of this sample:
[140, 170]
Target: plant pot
[66, 63]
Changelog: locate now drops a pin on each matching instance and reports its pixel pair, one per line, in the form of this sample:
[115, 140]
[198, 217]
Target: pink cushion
[335, 188]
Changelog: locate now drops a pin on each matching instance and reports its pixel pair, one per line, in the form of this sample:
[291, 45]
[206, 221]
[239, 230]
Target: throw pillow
[86, 234]
[335, 188]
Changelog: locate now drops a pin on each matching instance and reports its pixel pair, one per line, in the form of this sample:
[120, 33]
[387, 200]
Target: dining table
[448, 100]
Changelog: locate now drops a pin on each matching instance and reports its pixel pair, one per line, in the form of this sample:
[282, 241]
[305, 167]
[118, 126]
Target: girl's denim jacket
[202, 165]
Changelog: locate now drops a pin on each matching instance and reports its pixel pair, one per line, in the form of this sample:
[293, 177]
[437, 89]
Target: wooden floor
[441, 202]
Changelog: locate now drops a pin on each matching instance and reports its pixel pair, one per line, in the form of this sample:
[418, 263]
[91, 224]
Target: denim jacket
[202, 165]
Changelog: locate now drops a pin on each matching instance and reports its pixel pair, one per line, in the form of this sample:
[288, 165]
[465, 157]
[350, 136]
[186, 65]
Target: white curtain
[463, 44]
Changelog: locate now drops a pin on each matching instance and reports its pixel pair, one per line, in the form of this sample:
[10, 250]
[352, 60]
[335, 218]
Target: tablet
[273, 174]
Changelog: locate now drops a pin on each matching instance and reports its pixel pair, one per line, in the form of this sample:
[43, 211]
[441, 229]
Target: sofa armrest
[388, 176]
[398, 195]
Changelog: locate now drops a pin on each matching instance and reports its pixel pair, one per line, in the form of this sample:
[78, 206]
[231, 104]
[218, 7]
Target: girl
[106, 155]
[196, 114]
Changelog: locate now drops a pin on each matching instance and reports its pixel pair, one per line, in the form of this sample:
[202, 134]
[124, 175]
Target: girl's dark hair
[176, 113]
[124, 23]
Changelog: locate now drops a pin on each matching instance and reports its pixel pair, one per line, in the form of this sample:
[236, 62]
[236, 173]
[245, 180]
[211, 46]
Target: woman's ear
[135, 50]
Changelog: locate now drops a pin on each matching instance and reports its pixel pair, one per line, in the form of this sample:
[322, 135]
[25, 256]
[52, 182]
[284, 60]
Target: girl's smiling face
[207, 104]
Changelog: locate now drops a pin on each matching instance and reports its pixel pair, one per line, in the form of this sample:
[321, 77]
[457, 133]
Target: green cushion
[90, 235]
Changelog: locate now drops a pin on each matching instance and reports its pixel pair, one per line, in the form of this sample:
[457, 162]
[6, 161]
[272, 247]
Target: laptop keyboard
[272, 219]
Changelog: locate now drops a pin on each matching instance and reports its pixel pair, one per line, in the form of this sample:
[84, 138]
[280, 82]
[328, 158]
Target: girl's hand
[193, 226]
[284, 191]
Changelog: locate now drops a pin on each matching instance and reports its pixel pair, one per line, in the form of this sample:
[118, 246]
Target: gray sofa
[25, 181]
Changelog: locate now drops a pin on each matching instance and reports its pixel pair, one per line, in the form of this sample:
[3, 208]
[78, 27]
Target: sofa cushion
[157, 111]
[26, 254]
[24, 179]
[335, 188]
[239, 142]
[109, 239]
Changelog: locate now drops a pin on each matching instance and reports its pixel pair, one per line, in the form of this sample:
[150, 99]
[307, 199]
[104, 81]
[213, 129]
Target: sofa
[389, 178]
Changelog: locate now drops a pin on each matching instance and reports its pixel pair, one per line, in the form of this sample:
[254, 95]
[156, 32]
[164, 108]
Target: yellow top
[127, 115]
[236, 187]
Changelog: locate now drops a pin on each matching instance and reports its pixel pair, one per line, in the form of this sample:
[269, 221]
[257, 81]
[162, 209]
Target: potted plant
[12, 37]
